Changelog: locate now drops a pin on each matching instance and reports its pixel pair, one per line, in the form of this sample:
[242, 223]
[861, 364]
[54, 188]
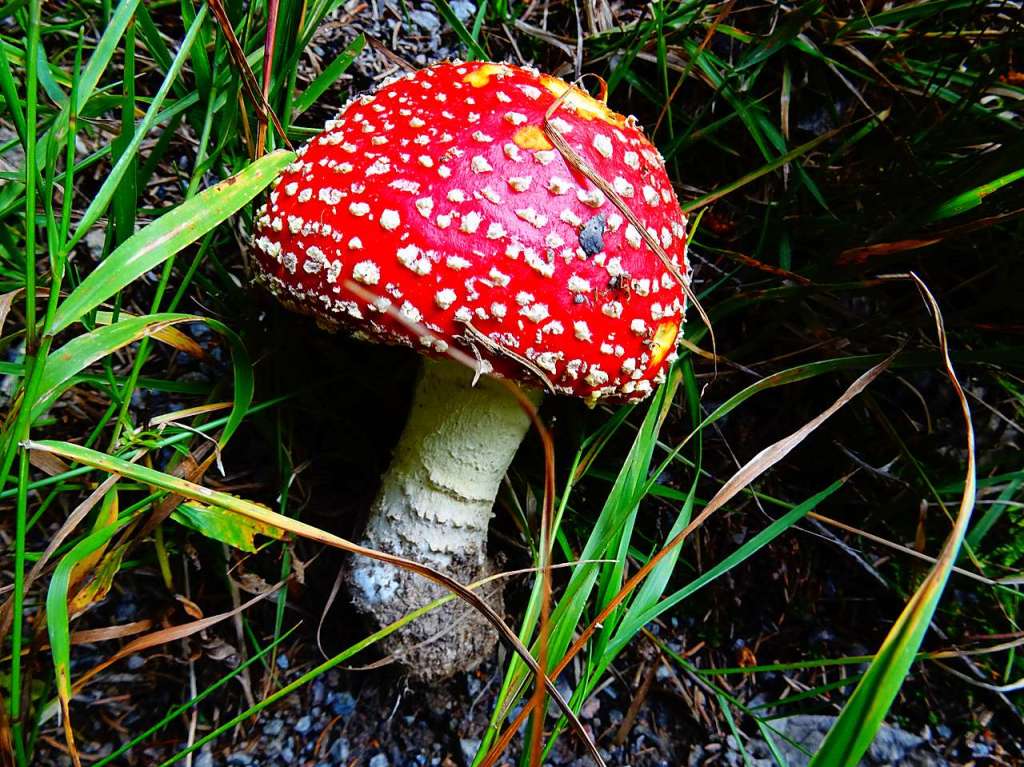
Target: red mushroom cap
[442, 195]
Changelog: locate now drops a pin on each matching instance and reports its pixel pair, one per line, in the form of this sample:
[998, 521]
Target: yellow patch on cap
[663, 342]
[531, 137]
[480, 76]
[581, 102]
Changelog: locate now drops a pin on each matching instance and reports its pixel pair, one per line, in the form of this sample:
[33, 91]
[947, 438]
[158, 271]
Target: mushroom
[437, 213]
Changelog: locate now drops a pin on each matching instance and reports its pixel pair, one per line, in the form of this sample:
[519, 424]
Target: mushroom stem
[434, 507]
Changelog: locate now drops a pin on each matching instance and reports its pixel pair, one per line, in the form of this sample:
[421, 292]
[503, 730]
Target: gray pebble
[341, 703]
[273, 727]
[303, 725]
[426, 20]
[980, 750]
[339, 750]
[205, 759]
[469, 748]
[379, 760]
[239, 759]
[463, 9]
[135, 662]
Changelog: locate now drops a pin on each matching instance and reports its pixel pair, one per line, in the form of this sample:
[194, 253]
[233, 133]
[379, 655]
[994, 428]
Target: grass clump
[820, 149]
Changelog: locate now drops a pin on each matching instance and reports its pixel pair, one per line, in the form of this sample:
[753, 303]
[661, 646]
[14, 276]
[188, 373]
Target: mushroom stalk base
[434, 507]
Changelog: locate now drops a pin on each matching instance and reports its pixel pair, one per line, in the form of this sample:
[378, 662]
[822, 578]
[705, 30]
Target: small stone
[273, 727]
[303, 725]
[239, 759]
[469, 748]
[282, 662]
[379, 760]
[135, 662]
[205, 759]
[463, 9]
[591, 707]
[980, 750]
[339, 750]
[94, 240]
[341, 703]
[425, 20]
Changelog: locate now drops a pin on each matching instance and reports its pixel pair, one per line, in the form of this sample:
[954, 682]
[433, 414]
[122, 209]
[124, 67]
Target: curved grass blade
[861, 717]
[58, 623]
[173, 231]
[236, 531]
[259, 513]
[82, 351]
[750, 471]
[636, 619]
[64, 364]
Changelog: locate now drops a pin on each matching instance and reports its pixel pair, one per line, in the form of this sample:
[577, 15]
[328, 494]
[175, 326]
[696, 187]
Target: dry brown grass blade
[252, 88]
[725, 10]
[861, 255]
[169, 634]
[6, 740]
[76, 516]
[577, 162]
[900, 548]
[273, 6]
[513, 355]
[536, 666]
[750, 471]
[262, 514]
[105, 634]
[6, 301]
[50, 465]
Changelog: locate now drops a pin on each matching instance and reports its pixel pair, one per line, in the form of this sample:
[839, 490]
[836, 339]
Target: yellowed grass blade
[262, 514]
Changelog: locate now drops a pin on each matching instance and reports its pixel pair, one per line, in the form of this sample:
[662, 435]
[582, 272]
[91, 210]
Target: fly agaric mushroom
[436, 213]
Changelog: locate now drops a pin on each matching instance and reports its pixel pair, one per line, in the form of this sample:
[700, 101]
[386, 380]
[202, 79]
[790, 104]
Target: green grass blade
[861, 717]
[127, 157]
[82, 351]
[990, 517]
[64, 364]
[58, 621]
[768, 167]
[99, 63]
[636, 620]
[476, 52]
[177, 711]
[104, 51]
[972, 198]
[167, 235]
[235, 531]
[325, 79]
